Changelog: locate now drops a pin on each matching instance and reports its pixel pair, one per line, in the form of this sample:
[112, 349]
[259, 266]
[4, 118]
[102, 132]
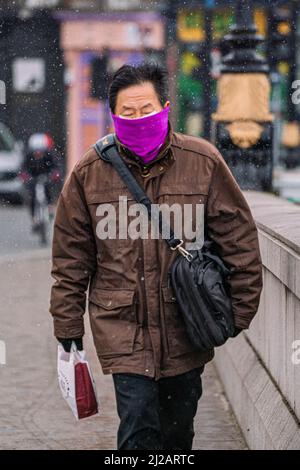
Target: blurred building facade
[51, 52]
[113, 40]
[32, 70]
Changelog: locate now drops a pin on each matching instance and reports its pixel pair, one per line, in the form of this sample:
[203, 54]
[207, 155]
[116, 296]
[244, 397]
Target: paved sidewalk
[33, 414]
[15, 234]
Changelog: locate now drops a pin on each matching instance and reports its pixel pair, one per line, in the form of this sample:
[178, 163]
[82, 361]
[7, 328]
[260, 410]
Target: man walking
[138, 332]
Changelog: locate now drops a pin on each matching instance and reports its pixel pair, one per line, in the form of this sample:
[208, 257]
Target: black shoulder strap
[104, 144]
[106, 149]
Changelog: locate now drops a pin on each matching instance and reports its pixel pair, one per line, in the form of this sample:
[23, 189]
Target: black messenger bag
[198, 277]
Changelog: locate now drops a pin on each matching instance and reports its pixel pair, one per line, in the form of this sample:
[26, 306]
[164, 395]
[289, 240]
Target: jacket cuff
[65, 330]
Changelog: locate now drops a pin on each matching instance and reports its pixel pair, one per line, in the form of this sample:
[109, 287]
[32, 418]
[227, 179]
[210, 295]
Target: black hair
[129, 75]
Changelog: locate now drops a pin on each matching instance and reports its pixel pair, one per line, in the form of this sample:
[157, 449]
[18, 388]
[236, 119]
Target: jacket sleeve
[73, 260]
[231, 226]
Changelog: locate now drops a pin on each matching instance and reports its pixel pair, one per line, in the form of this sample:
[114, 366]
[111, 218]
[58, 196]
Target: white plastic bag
[76, 382]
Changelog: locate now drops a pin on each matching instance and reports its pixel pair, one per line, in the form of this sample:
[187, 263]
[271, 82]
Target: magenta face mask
[143, 136]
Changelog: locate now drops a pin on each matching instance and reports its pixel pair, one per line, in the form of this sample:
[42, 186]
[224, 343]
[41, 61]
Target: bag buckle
[182, 251]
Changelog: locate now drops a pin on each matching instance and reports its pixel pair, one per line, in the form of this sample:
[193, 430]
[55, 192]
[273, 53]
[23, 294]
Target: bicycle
[41, 210]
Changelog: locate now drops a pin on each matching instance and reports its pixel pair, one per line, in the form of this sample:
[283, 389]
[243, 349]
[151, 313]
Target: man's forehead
[129, 104]
[138, 94]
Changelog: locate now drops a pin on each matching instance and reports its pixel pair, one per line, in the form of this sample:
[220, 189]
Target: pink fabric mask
[143, 136]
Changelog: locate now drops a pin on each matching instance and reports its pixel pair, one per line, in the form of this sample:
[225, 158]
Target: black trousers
[157, 415]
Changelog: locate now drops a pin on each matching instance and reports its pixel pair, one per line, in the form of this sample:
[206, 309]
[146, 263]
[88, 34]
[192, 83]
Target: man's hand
[67, 342]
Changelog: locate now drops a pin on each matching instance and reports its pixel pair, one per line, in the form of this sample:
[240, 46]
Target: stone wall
[259, 368]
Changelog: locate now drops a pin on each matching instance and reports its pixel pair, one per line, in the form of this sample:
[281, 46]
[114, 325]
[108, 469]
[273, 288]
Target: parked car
[11, 160]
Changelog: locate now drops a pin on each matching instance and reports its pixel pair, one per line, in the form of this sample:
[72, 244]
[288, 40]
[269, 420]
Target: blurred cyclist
[41, 158]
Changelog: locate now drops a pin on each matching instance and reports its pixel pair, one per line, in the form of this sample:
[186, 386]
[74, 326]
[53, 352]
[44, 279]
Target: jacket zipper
[143, 284]
[144, 301]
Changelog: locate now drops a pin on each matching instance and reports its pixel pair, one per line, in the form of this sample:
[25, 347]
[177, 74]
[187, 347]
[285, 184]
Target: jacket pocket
[177, 338]
[109, 215]
[187, 204]
[113, 320]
